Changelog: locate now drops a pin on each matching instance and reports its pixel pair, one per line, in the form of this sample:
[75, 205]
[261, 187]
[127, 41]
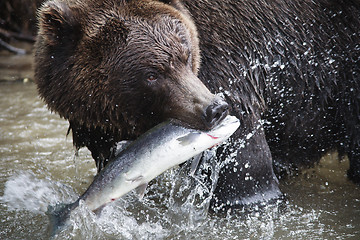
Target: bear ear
[57, 23]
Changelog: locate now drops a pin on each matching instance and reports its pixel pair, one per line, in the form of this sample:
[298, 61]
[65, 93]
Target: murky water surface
[38, 168]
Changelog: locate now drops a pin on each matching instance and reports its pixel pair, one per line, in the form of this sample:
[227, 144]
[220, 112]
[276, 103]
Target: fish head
[215, 136]
[224, 129]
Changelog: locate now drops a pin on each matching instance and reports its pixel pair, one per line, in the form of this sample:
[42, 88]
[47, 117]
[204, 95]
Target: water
[39, 167]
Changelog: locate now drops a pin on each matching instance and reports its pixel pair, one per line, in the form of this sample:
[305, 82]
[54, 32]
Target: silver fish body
[161, 148]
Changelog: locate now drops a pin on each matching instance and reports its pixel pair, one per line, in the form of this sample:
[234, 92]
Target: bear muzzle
[215, 112]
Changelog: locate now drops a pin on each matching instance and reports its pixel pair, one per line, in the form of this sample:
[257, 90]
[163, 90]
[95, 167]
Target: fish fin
[120, 146]
[141, 190]
[188, 138]
[98, 210]
[194, 164]
[59, 216]
[135, 179]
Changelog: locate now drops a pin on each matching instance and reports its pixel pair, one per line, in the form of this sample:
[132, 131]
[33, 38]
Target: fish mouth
[213, 137]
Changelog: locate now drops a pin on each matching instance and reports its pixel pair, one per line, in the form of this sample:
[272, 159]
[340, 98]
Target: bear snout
[215, 112]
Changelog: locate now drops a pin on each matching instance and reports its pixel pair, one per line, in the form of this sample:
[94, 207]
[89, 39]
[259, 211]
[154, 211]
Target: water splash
[175, 207]
[24, 191]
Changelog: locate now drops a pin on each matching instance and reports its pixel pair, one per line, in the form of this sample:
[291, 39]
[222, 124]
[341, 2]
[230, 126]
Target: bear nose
[216, 112]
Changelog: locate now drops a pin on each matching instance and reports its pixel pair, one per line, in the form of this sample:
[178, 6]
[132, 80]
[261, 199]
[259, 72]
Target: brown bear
[289, 70]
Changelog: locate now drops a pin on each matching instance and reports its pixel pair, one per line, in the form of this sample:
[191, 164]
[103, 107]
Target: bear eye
[151, 77]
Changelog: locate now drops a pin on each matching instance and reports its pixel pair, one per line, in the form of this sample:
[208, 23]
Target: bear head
[122, 64]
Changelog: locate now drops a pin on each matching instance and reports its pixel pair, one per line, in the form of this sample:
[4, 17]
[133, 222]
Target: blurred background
[17, 34]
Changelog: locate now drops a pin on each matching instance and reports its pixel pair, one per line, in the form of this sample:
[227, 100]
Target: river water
[39, 167]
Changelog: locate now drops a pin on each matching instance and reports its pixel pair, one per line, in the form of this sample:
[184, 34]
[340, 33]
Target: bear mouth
[206, 118]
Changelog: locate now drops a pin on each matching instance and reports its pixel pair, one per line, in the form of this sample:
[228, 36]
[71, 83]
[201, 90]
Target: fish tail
[59, 215]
